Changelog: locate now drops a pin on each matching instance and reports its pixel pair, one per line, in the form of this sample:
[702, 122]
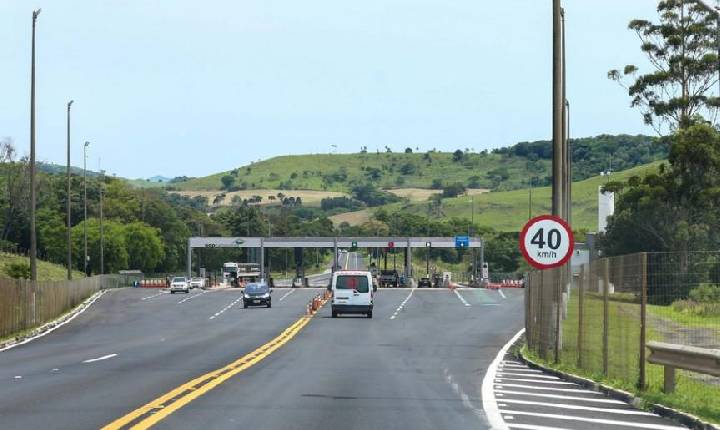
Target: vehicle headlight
[246, 295]
[266, 295]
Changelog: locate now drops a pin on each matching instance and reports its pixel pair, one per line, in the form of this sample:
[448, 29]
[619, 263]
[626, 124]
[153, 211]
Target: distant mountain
[501, 169]
[163, 179]
[53, 168]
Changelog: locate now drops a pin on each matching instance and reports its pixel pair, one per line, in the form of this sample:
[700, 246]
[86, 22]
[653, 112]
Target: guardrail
[694, 359]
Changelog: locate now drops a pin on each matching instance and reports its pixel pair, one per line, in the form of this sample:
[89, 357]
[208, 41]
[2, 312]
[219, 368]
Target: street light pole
[33, 236]
[102, 231]
[69, 238]
[85, 261]
[557, 110]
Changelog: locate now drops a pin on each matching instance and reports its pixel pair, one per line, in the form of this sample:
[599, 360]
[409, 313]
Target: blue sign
[462, 241]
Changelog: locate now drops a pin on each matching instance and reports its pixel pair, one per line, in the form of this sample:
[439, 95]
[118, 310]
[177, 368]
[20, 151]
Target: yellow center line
[160, 408]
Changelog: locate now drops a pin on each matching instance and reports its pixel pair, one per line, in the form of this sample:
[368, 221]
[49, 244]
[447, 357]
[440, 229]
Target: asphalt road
[418, 364]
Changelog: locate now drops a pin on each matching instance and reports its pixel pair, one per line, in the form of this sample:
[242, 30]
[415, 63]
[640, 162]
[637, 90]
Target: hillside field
[508, 210]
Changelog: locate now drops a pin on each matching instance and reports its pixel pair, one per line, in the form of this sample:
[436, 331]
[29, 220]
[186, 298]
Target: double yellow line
[155, 411]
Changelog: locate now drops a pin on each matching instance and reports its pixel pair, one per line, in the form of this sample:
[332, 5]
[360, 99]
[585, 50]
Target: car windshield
[256, 288]
[178, 280]
[353, 282]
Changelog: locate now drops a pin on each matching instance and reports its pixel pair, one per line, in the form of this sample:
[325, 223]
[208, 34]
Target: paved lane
[159, 343]
[421, 370]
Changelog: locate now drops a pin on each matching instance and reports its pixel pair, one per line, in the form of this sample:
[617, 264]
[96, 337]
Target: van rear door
[353, 290]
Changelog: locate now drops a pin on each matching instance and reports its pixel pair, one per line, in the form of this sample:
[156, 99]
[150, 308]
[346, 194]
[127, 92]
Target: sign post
[547, 242]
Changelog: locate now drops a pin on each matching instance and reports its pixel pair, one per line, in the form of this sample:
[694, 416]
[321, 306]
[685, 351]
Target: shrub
[20, 270]
[706, 293]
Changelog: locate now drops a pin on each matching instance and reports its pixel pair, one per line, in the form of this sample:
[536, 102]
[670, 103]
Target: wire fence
[25, 304]
[599, 321]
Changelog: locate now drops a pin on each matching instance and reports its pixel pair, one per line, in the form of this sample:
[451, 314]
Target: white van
[352, 293]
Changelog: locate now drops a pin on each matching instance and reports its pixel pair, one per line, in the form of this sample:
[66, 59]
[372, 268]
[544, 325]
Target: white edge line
[104, 357]
[286, 294]
[490, 406]
[501, 293]
[83, 307]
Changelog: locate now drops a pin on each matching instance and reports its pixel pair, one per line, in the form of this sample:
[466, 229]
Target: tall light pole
[102, 231]
[33, 237]
[558, 106]
[69, 238]
[85, 260]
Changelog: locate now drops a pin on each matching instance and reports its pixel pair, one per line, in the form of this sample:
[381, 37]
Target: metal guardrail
[694, 359]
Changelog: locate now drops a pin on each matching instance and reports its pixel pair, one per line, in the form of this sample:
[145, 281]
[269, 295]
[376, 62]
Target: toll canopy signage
[547, 242]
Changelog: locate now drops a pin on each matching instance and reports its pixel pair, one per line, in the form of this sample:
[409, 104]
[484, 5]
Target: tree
[144, 246]
[408, 150]
[682, 49]
[227, 181]
[676, 208]
[453, 190]
[458, 156]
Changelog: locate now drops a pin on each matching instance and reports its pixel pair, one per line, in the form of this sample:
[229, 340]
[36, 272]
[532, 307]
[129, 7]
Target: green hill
[508, 210]
[46, 271]
[502, 169]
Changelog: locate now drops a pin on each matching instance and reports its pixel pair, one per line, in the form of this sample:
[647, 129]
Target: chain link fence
[25, 304]
[598, 322]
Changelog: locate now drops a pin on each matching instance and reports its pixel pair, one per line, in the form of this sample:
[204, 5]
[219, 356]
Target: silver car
[179, 283]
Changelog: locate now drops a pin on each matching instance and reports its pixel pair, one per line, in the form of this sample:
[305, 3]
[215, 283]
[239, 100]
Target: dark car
[424, 283]
[257, 294]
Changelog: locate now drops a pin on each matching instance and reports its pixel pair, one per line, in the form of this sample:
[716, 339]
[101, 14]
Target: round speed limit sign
[546, 242]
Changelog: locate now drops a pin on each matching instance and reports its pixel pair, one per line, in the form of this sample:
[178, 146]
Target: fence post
[606, 316]
[581, 302]
[643, 314]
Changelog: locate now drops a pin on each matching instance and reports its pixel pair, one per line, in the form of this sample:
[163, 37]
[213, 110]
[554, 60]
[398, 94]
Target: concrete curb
[683, 418]
[52, 325]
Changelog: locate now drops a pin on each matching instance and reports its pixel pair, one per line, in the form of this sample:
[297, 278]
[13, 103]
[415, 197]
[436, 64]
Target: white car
[352, 293]
[197, 283]
[179, 283]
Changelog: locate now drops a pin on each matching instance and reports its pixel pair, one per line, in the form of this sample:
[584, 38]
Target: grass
[686, 319]
[306, 171]
[508, 210]
[46, 271]
[692, 395]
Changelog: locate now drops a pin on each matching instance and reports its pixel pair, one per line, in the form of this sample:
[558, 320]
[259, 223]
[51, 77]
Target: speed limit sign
[546, 242]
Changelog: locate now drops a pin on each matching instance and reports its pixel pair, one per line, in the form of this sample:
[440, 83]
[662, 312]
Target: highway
[146, 358]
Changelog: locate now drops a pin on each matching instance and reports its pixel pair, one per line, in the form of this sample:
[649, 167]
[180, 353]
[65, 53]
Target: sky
[192, 88]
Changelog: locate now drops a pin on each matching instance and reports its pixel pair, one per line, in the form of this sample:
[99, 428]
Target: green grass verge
[46, 271]
[692, 394]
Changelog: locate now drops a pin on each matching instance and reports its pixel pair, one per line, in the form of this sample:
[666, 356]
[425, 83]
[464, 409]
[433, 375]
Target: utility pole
[69, 198]
[567, 180]
[102, 231]
[85, 260]
[557, 109]
[33, 197]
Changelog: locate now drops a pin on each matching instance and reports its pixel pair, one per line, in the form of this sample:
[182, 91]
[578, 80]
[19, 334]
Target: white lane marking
[190, 297]
[520, 371]
[492, 412]
[104, 357]
[83, 307]
[536, 381]
[402, 305]
[286, 294]
[513, 373]
[18, 377]
[533, 387]
[221, 311]
[580, 407]
[153, 296]
[534, 427]
[561, 397]
[593, 420]
[462, 299]
[501, 293]
[460, 393]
